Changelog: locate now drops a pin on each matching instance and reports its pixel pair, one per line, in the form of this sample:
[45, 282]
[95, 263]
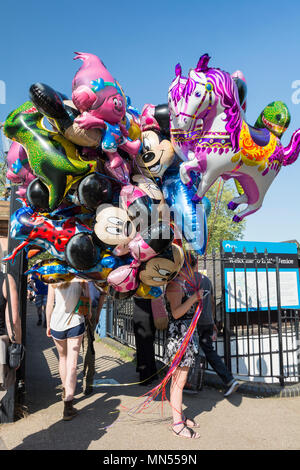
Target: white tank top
[63, 316]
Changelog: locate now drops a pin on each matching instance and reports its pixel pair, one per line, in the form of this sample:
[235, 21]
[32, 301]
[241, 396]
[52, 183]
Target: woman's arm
[49, 307]
[16, 320]
[100, 305]
[174, 295]
[86, 292]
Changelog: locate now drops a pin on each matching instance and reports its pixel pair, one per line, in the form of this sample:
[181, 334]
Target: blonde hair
[61, 285]
[65, 285]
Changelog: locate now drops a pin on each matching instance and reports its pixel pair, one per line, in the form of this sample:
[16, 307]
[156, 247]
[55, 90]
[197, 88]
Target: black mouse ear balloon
[37, 195]
[81, 253]
[162, 116]
[93, 190]
[242, 90]
[158, 236]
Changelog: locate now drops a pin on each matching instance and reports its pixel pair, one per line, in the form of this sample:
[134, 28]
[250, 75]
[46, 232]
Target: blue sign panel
[250, 275]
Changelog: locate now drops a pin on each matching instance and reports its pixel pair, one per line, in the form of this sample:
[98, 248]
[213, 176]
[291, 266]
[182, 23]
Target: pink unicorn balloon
[209, 133]
[19, 171]
[102, 102]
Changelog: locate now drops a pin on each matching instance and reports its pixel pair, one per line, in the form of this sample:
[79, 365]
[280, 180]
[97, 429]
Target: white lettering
[130, 461]
[2, 92]
[152, 460]
[296, 94]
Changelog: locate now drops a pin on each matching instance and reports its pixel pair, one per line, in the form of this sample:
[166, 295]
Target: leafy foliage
[4, 193]
[220, 224]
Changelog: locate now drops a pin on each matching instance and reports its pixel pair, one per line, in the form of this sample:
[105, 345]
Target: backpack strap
[9, 308]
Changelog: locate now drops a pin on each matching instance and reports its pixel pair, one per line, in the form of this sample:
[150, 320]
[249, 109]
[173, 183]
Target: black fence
[258, 336]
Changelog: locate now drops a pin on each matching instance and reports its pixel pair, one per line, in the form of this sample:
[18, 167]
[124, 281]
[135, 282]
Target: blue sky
[141, 42]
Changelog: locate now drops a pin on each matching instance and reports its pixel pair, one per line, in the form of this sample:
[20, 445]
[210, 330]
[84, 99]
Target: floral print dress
[177, 329]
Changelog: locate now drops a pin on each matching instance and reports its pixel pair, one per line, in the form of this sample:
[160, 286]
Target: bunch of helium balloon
[100, 187]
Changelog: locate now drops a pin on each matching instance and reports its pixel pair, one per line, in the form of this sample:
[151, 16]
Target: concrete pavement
[105, 424]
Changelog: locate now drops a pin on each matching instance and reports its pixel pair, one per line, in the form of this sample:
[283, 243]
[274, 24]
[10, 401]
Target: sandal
[192, 434]
[193, 425]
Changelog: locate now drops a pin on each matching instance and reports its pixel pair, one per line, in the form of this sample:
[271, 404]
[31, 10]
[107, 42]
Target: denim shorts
[40, 300]
[70, 333]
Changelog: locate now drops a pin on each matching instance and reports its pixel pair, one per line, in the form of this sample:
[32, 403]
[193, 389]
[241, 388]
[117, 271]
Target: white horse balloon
[208, 132]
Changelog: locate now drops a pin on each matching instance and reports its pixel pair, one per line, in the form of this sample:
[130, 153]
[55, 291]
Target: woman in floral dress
[181, 305]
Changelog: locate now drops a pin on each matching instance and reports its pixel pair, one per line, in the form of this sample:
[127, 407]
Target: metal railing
[257, 339]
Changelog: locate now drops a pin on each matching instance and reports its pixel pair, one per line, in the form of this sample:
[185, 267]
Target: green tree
[220, 224]
[3, 186]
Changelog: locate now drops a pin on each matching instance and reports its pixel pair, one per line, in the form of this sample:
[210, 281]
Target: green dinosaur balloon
[52, 158]
[275, 117]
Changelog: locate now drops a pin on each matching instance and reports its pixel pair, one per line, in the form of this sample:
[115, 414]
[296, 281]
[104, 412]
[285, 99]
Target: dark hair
[191, 259]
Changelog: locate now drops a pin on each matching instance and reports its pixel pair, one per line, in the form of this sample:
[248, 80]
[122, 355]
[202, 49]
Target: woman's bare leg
[179, 379]
[73, 348]
[61, 346]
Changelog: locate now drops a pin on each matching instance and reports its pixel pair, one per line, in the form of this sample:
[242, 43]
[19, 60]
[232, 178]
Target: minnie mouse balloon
[146, 245]
[163, 268]
[157, 153]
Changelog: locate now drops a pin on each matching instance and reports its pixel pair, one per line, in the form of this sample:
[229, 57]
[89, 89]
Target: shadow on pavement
[104, 407]
[77, 434]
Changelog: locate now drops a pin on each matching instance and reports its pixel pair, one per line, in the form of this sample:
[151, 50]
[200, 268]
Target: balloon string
[145, 178]
[182, 349]
[135, 383]
[189, 276]
[215, 211]
[112, 178]
[174, 365]
[129, 410]
[132, 383]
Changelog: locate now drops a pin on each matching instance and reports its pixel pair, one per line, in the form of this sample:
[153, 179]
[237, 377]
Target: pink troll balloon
[102, 102]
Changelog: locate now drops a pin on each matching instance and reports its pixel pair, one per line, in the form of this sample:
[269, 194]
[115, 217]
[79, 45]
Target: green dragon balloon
[52, 158]
[275, 117]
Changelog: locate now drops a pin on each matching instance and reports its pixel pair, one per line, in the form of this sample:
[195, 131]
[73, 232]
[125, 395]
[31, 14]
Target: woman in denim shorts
[66, 327]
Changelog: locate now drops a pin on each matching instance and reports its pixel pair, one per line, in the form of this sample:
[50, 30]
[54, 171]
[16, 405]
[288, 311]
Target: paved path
[237, 423]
